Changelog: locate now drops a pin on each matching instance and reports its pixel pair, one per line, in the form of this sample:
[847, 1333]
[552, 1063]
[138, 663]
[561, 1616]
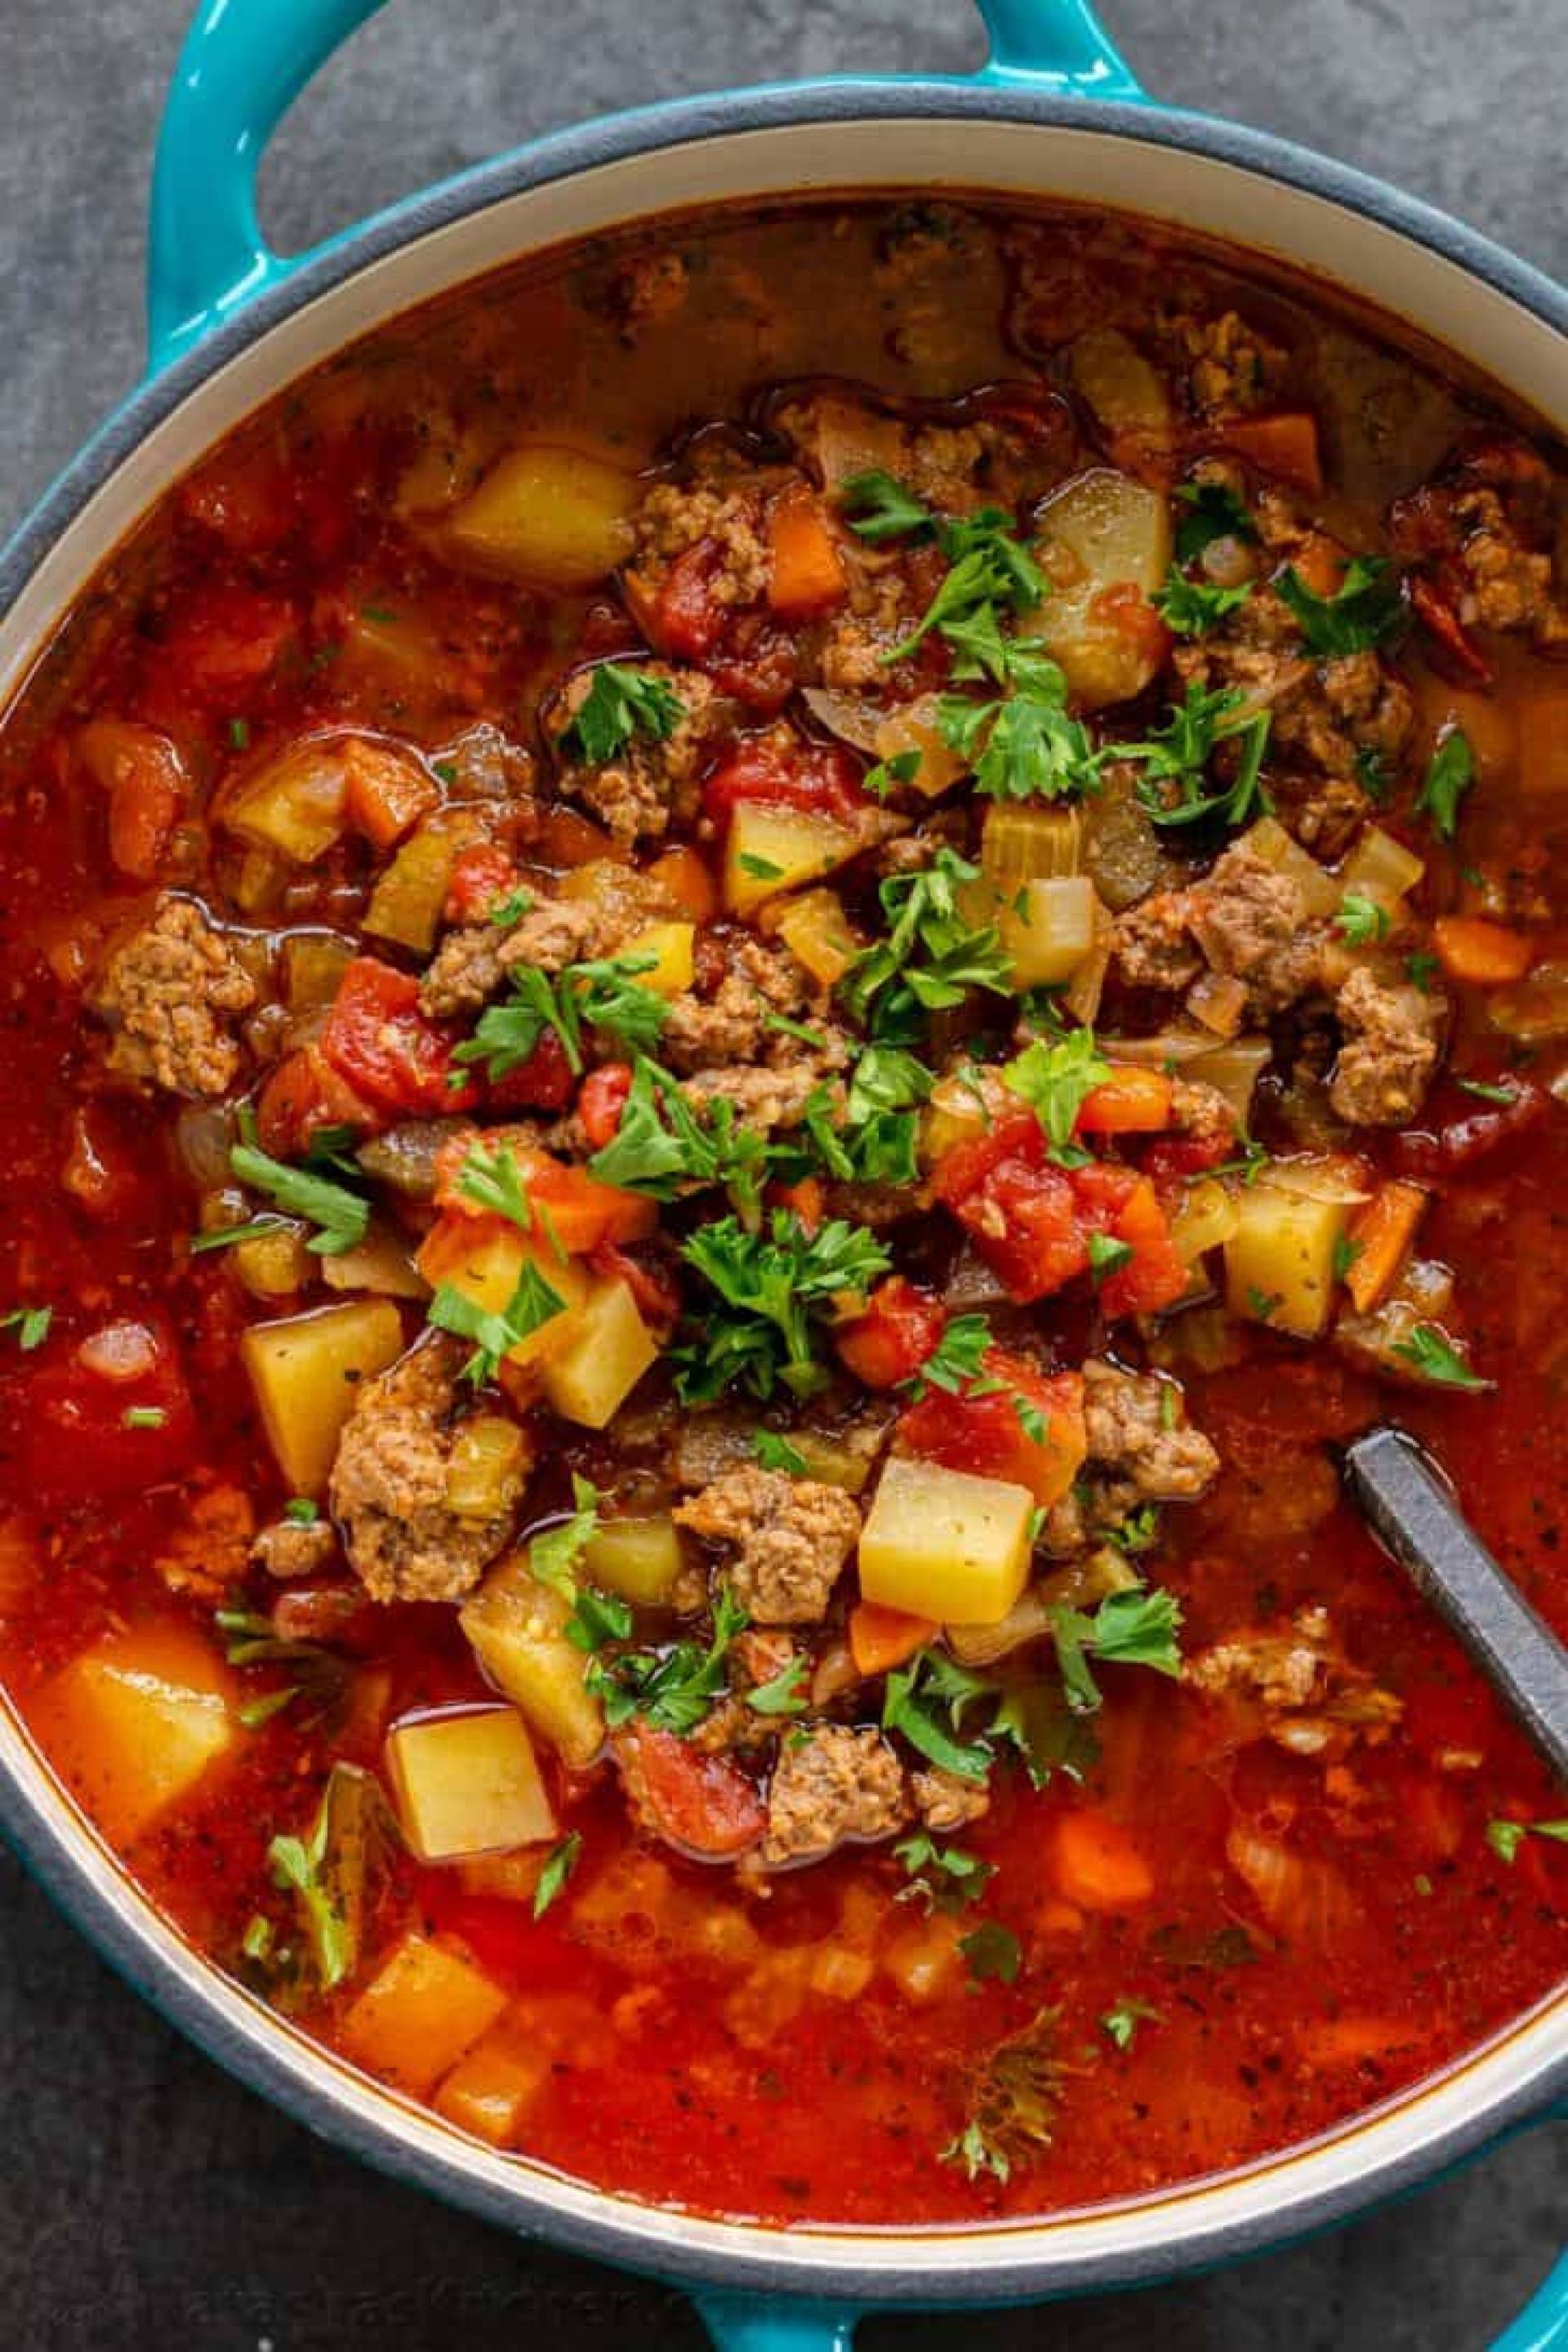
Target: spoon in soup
[1410, 1507]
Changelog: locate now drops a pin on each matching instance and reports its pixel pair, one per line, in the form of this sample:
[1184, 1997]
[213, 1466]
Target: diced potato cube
[548, 514]
[1126, 390]
[296, 803]
[941, 1544]
[407, 902]
[1380, 868]
[425, 2007]
[490, 2090]
[306, 1371]
[673, 946]
[916, 727]
[468, 1783]
[1280, 1261]
[487, 1455]
[589, 1376]
[485, 1262]
[516, 1626]
[135, 1722]
[817, 932]
[774, 849]
[274, 1264]
[1102, 532]
[639, 1558]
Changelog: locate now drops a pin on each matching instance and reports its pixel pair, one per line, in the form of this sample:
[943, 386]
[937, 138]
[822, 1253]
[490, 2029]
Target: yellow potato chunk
[306, 1369]
[486, 1264]
[589, 1376]
[296, 803]
[817, 932]
[940, 1543]
[672, 945]
[488, 2092]
[1280, 1261]
[517, 1629]
[774, 849]
[427, 2005]
[1102, 532]
[468, 1783]
[135, 1722]
[547, 514]
[638, 1559]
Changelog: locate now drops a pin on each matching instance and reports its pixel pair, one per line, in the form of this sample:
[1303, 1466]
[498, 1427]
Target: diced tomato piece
[544, 1082]
[703, 1804]
[788, 774]
[1020, 1210]
[808, 1201]
[226, 639]
[1461, 1142]
[301, 1096]
[601, 1099]
[247, 499]
[1131, 1101]
[482, 876]
[755, 662]
[688, 619]
[1120, 1204]
[376, 1037]
[1029, 1429]
[892, 1340]
[1174, 1157]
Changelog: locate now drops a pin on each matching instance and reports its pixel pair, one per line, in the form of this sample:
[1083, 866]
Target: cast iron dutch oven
[1054, 113]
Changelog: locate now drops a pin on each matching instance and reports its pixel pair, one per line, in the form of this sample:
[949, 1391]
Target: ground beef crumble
[171, 993]
[832, 1784]
[790, 1538]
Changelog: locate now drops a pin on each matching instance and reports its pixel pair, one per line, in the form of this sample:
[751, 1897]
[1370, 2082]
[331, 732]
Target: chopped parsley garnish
[551, 1556]
[490, 1177]
[932, 957]
[902, 769]
[340, 1217]
[672, 1689]
[1434, 1357]
[926, 1701]
[1505, 1838]
[1362, 920]
[992, 1952]
[1366, 609]
[328, 1871]
[1134, 1628]
[1012, 2102]
[878, 507]
[31, 1325]
[1421, 967]
[989, 569]
[239, 734]
[1191, 608]
[782, 1693]
[143, 1416]
[1056, 1080]
[1122, 2023]
[621, 703]
[772, 1284]
[1346, 1253]
[763, 868]
[955, 1363]
[1179, 752]
[559, 1864]
[531, 1305]
[1450, 773]
[1483, 1089]
[1107, 1256]
[662, 1146]
[776, 1452]
[1140, 1531]
[1022, 746]
[1212, 511]
[599, 1618]
[1374, 771]
[300, 1511]
[602, 995]
[941, 1877]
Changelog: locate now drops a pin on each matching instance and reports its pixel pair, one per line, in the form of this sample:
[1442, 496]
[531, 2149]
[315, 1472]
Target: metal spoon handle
[1412, 1511]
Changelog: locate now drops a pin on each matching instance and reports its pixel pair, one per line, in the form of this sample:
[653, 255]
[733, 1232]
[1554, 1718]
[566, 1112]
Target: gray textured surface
[147, 2201]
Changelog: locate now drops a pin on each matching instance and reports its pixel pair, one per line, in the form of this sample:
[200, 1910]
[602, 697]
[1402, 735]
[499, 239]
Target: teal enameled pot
[1053, 112]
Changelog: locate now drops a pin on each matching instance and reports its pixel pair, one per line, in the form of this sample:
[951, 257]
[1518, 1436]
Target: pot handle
[1543, 2326]
[744, 2323]
[243, 62]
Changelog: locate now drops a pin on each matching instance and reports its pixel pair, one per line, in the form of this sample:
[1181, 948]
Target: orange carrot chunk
[1380, 1235]
[1097, 1865]
[1484, 954]
[807, 574]
[1131, 1101]
[881, 1639]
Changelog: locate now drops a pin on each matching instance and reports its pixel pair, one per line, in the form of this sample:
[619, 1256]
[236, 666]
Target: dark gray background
[145, 2199]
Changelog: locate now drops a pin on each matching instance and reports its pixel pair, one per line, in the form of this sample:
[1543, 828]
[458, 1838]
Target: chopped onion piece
[1380, 868]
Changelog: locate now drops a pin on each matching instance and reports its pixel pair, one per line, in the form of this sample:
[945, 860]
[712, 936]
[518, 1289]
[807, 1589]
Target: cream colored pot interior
[1485, 327]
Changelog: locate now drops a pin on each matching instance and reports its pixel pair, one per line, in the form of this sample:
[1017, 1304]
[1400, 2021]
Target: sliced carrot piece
[387, 793]
[808, 573]
[1380, 1235]
[881, 1639]
[684, 874]
[1484, 954]
[1284, 444]
[1131, 1101]
[1097, 1865]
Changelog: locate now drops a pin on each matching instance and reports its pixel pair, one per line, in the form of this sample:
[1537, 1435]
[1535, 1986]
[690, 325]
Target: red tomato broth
[666, 2082]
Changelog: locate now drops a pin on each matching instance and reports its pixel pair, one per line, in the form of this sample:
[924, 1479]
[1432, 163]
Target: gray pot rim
[1011, 2265]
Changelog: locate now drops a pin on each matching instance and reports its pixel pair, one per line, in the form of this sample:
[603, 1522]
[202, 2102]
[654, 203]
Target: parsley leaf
[992, 1951]
[340, 1216]
[621, 703]
[931, 956]
[1105, 1255]
[1450, 773]
[601, 995]
[1365, 611]
[1191, 608]
[1179, 752]
[1025, 746]
[902, 769]
[781, 1694]
[1212, 511]
[1056, 1079]
[1362, 920]
[1505, 1838]
[989, 566]
[942, 1877]
[956, 1359]
[559, 1864]
[914, 1703]
[31, 1325]
[881, 508]
[776, 1452]
[1122, 2021]
[661, 1146]
[673, 1689]
[531, 1305]
[771, 1284]
[1135, 1628]
[490, 1177]
[1433, 1356]
[1012, 2102]
[328, 1871]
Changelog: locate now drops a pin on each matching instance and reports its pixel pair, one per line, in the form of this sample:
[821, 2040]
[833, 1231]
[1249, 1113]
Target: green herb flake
[559, 1864]
[1122, 2023]
[30, 1323]
[622, 703]
[1366, 611]
[1450, 773]
[1361, 922]
[1433, 1356]
[991, 1953]
[494, 1336]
